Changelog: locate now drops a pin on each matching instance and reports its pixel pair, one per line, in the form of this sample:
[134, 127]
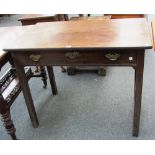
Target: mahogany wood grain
[4, 33]
[138, 91]
[86, 69]
[31, 19]
[120, 33]
[27, 95]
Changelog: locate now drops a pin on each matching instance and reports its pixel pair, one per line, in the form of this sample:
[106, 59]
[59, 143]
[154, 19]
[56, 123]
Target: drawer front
[77, 57]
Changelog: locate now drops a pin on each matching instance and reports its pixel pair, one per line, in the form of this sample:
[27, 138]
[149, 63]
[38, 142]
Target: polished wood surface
[153, 33]
[89, 43]
[31, 19]
[7, 34]
[73, 70]
[122, 33]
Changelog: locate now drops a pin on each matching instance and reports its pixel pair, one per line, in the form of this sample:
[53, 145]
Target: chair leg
[6, 118]
[43, 75]
[52, 80]
[8, 124]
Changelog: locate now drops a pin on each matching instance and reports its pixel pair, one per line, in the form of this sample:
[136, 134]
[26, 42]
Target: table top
[119, 33]
[8, 34]
[35, 16]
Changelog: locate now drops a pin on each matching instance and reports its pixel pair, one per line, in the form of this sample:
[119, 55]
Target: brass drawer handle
[112, 56]
[72, 55]
[35, 58]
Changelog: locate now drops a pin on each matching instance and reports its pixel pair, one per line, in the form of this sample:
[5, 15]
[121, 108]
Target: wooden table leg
[6, 118]
[138, 91]
[52, 80]
[27, 95]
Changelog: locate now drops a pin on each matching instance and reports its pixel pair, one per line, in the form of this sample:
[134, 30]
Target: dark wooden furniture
[9, 90]
[5, 95]
[120, 42]
[30, 19]
[9, 84]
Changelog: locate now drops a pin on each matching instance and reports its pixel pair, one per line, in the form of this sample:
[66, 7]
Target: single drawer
[77, 57]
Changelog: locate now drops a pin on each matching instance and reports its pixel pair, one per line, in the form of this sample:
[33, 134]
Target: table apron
[76, 57]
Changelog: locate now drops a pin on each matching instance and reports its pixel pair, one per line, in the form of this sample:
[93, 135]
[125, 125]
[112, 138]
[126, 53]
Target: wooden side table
[88, 46]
